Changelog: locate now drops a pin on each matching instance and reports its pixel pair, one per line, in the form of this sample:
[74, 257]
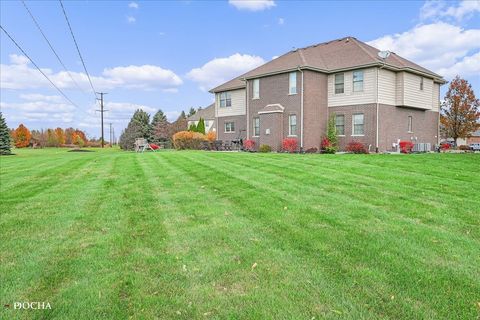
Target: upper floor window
[421, 83]
[410, 124]
[229, 127]
[358, 120]
[225, 99]
[256, 88]
[339, 83]
[292, 83]
[357, 81]
[340, 124]
[292, 125]
[256, 127]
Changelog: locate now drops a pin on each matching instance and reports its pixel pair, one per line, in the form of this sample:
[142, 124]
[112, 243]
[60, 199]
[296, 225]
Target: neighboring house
[474, 138]
[208, 114]
[375, 101]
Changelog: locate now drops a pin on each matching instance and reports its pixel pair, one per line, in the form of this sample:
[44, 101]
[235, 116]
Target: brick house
[375, 101]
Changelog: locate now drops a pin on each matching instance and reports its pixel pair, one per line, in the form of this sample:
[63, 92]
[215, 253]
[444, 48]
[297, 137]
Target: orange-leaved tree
[60, 135]
[21, 136]
[460, 110]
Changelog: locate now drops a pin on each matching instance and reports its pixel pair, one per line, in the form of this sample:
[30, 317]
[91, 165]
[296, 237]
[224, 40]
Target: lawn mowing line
[281, 231]
[170, 166]
[238, 177]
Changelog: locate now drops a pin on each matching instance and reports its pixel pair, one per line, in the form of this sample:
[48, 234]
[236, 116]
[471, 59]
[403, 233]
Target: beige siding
[413, 96]
[386, 87]
[399, 89]
[368, 95]
[238, 104]
[436, 97]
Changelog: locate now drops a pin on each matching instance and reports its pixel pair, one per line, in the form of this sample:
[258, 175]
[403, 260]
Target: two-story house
[207, 114]
[376, 101]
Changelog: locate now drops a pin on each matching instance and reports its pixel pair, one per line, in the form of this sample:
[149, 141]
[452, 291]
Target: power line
[36, 66]
[78, 49]
[50, 45]
[101, 112]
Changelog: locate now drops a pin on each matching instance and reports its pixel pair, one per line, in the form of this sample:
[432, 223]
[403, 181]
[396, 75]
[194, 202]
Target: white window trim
[253, 89]
[340, 135]
[290, 93]
[290, 125]
[256, 136]
[410, 124]
[353, 125]
[225, 127]
[353, 82]
[334, 84]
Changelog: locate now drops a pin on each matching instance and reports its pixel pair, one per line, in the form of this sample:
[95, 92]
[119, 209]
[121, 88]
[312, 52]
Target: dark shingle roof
[331, 56]
[208, 113]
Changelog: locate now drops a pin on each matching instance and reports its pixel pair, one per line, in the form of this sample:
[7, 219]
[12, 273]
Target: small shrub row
[289, 145]
[406, 146]
[356, 147]
[188, 140]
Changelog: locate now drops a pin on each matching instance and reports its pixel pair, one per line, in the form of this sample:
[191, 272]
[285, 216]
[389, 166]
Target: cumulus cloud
[252, 5]
[18, 59]
[133, 5]
[131, 19]
[438, 46]
[468, 66]
[435, 10]
[19, 75]
[220, 70]
[45, 109]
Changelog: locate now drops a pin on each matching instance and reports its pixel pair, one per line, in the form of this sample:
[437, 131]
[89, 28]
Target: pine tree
[138, 127]
[191, 112]
[160, 128]
[5, 140]
[332, 131]
[192, 128]
[201, 126]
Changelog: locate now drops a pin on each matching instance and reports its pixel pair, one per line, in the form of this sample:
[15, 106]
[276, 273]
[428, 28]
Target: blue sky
[166, 55]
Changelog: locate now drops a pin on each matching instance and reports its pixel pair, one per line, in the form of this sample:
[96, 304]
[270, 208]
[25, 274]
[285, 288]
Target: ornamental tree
[5, 140]
[459, 113]
[201, 126]
[21, 136]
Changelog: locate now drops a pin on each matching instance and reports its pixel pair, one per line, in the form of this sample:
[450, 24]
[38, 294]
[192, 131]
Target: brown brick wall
[473, 140]
[240, 124]
[315, 108]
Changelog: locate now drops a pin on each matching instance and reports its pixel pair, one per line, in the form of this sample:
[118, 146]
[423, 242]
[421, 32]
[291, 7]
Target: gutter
[301, 113]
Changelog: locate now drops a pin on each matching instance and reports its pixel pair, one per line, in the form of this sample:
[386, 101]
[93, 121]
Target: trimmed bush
[327, 147]
[406, 146]
[265, 148]
[249, 145]
[356, 147]
[188, 140]
[444, 146]
[211, 136]
[290, 145]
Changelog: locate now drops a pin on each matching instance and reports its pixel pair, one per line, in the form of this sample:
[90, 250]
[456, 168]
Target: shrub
[211, 136]
[311, 150]
[265, 148]
[406, 146]
[444, 146]
[289, 145]
[188, 140]
[327, 147]
[464, 147]
[249, 145]
[356, 147]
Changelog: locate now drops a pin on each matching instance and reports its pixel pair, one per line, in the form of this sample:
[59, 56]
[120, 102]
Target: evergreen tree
[143, 120]
[159, 116]
[332, 131]
[138, 127]
[5, 140]
[191, 112]
[201, 126]
[192, 128]
[160, 127]
[180, 124]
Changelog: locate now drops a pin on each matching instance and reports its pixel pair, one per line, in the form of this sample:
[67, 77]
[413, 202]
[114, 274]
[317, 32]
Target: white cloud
[41, 97]
[220, 70]
[274, 57]
[133, 5]
[18, 59]
[436, 10]
[19, 75]
[468, 66]
[44, 111]
[438, 46]
[131, 19]
[252, 5]
[281, 21]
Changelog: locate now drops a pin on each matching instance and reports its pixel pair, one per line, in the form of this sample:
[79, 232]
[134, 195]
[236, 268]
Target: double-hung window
[229, 127]
[339, 83]
[340, 124]
[256, 127]
[292, 125]
[256, 89]
[358, 121]
[292, 83]
[225, 99]
[357, 81]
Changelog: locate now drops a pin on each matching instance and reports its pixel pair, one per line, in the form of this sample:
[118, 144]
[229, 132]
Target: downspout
[376, 117]
[301, 113]
[246, 109]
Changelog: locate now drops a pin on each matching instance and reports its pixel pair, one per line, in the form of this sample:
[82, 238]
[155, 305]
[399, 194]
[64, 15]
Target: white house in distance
[208, 114]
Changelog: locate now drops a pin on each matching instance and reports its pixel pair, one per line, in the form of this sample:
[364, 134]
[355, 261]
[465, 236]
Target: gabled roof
[207, 114]
[329, 57]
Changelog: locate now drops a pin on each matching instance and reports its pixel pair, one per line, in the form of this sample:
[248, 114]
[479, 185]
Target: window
[357, 81]
[229, 127]
[340, 124]
[358, 124]
[339, 84]
[256, 127]
[421, 83]
[292, 83]
[256, 88]
[292, 125]
[410, 124]
[225, 99]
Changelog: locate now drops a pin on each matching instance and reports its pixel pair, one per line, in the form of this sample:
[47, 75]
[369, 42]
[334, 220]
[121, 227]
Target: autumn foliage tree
[21, 136]
[460, 110]
[60, 136]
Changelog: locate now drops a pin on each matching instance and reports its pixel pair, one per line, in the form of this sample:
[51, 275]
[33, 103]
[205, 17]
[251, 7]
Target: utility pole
[111, 136]
[101, 113]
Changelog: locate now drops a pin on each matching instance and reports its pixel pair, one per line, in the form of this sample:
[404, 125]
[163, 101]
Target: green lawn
[203, 235]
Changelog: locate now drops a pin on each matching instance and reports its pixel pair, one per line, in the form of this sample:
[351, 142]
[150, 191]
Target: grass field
[197, 235]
